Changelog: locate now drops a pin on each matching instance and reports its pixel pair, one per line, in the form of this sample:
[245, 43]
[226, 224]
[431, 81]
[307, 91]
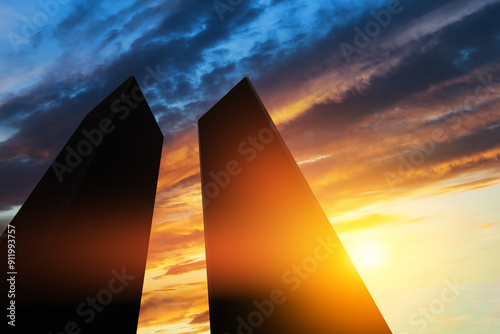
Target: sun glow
[368, 255]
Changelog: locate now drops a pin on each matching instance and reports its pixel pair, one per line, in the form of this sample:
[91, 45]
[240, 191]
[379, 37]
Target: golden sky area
[411, 231]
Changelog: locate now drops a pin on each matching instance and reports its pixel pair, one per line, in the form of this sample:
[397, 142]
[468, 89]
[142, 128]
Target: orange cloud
[184, 268]
[176, 307]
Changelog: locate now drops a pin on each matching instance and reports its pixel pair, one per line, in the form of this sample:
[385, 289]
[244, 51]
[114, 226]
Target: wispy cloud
[349, 124]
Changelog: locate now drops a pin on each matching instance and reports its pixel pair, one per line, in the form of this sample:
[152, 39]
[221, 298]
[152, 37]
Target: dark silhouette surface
[274, 262]
[81, 237]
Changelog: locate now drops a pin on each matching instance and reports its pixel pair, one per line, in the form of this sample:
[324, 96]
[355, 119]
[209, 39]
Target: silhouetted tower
[274, 262]
[81, 237]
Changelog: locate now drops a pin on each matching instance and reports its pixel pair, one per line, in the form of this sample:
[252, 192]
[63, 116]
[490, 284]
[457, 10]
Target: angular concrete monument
[78, 246]
[274, 262]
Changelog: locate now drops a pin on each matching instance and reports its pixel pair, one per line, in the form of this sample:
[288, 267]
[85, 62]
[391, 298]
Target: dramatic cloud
[378, 101]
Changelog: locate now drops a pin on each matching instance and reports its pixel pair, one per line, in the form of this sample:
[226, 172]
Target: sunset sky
[391, 110]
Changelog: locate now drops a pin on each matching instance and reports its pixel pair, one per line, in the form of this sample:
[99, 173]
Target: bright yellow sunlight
[367, 255]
